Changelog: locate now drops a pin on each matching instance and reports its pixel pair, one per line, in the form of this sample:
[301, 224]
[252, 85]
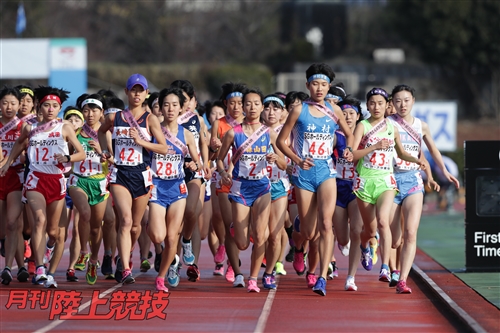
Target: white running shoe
[239, 281]
[50, 282]
[173, 277]
[350, 285]
[187, 252]
[345, 249]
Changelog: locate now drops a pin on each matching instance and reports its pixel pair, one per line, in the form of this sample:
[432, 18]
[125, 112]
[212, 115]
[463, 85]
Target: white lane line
[82, 307]
[264, 315]
[473, 324]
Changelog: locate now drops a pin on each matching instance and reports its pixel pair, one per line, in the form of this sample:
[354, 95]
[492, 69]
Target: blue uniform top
[170, 165]
[252, 163]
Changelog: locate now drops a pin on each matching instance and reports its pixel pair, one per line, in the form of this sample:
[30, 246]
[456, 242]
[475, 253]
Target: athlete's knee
[410, 236]
[84, 215]
[241, 243]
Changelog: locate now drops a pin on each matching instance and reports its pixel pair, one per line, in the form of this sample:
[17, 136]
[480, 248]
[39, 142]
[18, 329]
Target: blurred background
[447, 50]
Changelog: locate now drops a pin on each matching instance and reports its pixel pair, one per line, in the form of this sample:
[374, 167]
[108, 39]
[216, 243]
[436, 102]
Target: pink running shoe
[298, 263]
[402, 288]
[229, 273]
[219, 270]
[220, 255]
[252, 286]
[311, 280]
[27, 249]
[160, 284]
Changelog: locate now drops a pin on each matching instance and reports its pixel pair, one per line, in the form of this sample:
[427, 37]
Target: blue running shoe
[173, 277]
[366, 259]
[267, 281]
[187, 252]
[320, 287]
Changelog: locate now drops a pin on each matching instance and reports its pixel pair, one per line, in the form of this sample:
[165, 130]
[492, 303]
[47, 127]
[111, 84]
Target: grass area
[443, 238]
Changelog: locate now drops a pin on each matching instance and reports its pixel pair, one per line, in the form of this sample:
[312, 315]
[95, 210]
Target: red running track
[213, 305]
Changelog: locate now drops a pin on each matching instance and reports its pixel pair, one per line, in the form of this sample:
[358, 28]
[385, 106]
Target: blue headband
[349, 106]
[339, 99]
[274, 99]
[318, 77]
[234, 94]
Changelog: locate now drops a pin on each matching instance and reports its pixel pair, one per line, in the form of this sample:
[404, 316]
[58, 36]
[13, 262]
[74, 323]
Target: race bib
[127, 152]
[317, 145]
[252, 166]
[166, 166]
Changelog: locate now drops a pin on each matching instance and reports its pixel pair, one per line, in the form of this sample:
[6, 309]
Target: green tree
[462, 38]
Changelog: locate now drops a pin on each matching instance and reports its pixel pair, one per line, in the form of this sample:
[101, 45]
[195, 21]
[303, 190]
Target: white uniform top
[43, 146]
[411, 146]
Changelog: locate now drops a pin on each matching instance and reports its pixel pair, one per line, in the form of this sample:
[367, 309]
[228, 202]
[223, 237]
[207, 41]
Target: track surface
[213, 305]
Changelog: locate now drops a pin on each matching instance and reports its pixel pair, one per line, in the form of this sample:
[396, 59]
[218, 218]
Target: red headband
[51, 98]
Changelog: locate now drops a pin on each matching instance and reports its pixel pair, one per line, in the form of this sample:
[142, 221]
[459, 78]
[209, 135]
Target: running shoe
[220, 255]
[160, 284]
[193, 273]
[311, 279]
[173, 277]
[333, 271]
[394, 278]
[219, 270]
[91, 275]
[402, 288]
[71, 276]
[2, 247]
[298, 263]
[145, 265]
[119, 269]
[344, 249]
[40, 274]
[320, 287]
[127, 277]
[229, 273]
[27, 249]
[31, 267]
[239, 281]
[252, 286]
[264, 263]
[50, 282]
[82, 261]
[349, 284]
[158, 260]
[49, 252]
[384, 275]
[187, 252]
[267, 282]
[6, 276]
[289, 257]
[279, 268]
[366, 259]
[107, 268]
[150, 255]
[22, 275]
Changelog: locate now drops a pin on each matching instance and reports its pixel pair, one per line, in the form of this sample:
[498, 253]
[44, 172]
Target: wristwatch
[350, 149]
[68, 157]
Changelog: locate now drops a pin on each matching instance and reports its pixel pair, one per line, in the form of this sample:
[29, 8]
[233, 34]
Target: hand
[96, 146]
[271, 157]
[4, 168]
[289, 169]
[431, 183]
[134, 134]
[382, 144]
[348, 155]
[61, 158]
[215, 144]
[191, 166]
[225, 179]
[306, 164]
[452, 179]
[207, 171]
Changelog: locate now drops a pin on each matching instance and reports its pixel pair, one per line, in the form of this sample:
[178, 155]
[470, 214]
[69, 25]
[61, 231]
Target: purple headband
[349, 106]
[377, 91]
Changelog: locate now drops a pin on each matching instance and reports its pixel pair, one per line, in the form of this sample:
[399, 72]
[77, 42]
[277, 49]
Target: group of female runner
[300, 169]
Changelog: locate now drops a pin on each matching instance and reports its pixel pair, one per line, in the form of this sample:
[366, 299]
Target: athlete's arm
[224, 149]
[17, 149]
[402, 154]
[101, 135]
[191, 144]
[277, 157]
[215, 142]
[70, 136]
[155, 129]
[436, 154]
[349, 137]
[204, 146]
[360, 153]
